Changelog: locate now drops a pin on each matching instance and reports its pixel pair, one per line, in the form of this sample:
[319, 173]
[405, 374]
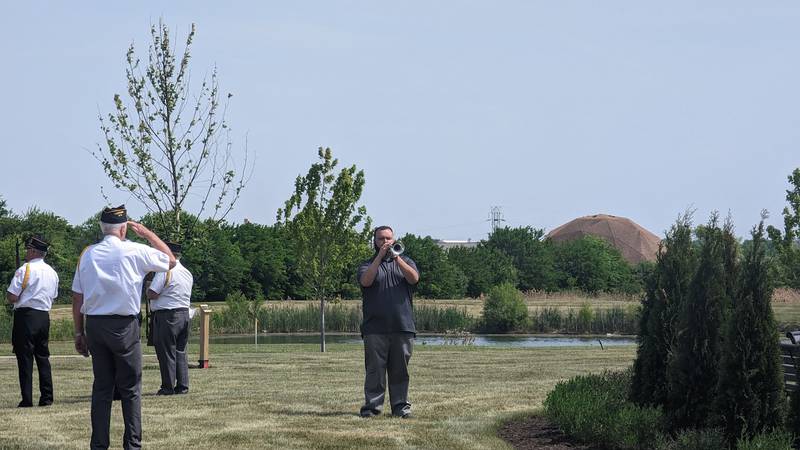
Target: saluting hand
[140, 230]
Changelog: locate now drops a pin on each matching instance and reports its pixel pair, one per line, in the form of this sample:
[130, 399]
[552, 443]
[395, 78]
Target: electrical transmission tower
[495, 217]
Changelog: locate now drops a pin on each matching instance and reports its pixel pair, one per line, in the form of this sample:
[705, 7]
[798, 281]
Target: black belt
[24, 309]
[156, 311]
[111, 316]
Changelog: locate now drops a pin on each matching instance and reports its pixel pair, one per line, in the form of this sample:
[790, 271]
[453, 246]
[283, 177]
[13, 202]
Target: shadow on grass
[290, 412]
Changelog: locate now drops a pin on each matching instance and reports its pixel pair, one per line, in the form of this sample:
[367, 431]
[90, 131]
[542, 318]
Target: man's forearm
[368, 277]
[158, 244]
[409, 273]
[11, 297]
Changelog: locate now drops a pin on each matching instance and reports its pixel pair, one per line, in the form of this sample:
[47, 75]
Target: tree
[693, 370]
[439, 278]
[666, 292]
[786, 243]
[751, 398]
[504, 309]
[533, 256]
[593, 265]
[215, 262]
[323, 219]
[267, 252]
[164, 144]
[484, 267]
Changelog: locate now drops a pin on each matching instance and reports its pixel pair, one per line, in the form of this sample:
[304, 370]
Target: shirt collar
[35, 260]
[111, 237]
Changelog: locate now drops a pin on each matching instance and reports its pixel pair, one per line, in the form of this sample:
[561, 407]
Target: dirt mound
[636, 243]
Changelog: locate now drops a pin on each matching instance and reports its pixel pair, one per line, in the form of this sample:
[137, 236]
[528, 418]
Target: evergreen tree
[666, 293]
[751, 397]
[693, 368]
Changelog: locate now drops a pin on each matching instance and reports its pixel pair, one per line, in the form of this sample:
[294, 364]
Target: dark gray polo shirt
[387, 303]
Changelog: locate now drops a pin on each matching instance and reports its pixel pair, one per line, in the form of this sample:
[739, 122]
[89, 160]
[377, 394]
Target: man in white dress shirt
[32, 291]
[107, 289]
[170, 293]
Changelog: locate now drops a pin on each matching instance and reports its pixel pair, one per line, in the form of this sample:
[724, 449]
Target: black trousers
[170, 336]
[387, 354]
[115, 346]
[29, 337]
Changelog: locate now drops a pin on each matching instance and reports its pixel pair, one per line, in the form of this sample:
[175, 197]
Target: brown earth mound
[632, 240]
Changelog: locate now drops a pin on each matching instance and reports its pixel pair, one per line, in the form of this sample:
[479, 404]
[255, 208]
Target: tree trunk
[322, 324]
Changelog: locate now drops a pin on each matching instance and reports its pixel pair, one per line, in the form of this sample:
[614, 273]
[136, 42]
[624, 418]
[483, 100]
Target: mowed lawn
[292, 396]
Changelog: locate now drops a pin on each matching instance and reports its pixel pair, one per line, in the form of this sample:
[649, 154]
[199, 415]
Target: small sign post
[205, 328]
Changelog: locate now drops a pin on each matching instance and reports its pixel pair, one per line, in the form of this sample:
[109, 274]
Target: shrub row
[594, 409]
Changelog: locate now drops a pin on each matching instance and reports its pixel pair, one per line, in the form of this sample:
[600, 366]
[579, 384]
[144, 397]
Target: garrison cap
[37, 243]
[176, 248]
[114, 215]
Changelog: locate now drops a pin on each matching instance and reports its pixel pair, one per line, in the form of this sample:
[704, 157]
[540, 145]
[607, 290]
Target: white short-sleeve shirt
[40, 288]
[110, 276]
[174, 288]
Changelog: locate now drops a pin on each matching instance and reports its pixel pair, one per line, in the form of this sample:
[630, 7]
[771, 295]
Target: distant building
[446, 244]
[635, 243]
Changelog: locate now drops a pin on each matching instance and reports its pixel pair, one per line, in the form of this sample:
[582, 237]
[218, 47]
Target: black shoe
[403, 415]
[163, 391]
[24, 404]
[369, 413]
[45, 402]
[181, 391]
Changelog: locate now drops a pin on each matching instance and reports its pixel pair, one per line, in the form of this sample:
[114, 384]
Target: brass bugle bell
[397, 249]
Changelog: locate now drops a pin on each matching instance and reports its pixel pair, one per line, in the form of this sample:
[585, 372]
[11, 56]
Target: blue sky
[552, 110]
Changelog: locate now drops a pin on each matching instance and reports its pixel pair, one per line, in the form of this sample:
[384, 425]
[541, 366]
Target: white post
[256, 331]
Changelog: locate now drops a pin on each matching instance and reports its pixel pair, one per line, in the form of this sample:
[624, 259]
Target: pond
[510, 341]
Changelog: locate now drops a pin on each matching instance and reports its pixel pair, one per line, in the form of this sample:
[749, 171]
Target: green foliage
[773, 440]
[693, 368]
[594, 409]
[268, 253]
[164, 144]
[666, 292]
[216, 264]
[439, 278]
[593, 265]
[483, 267]
[440, 320]
[532, 256]
[786, 243]
[323, 219]
[697, 439]
[504, 309]
[751, 398]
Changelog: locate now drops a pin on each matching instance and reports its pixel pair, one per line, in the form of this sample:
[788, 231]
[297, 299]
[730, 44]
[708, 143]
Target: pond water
[515, 341]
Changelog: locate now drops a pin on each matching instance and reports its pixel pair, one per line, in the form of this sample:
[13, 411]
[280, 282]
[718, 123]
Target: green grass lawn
[292, 396]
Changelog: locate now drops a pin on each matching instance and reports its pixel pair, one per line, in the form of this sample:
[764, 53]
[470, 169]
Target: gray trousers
[114, 343]
[170, 336]
[387, 354]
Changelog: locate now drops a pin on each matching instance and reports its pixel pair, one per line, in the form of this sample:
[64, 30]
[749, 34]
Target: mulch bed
[537, 433]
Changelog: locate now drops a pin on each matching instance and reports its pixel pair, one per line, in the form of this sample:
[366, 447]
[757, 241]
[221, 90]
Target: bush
[504, 309]
[775, 440]
[593, 408]
[702, 439]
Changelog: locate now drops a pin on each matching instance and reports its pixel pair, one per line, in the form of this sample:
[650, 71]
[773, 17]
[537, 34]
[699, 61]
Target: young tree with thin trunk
[328, 230]
[170, 147]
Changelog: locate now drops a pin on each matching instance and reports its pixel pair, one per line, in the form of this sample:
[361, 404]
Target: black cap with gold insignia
[114, 215]
[176, 248]
[37, 243]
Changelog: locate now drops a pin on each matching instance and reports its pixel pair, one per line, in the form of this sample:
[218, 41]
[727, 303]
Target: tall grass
[586, 320]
